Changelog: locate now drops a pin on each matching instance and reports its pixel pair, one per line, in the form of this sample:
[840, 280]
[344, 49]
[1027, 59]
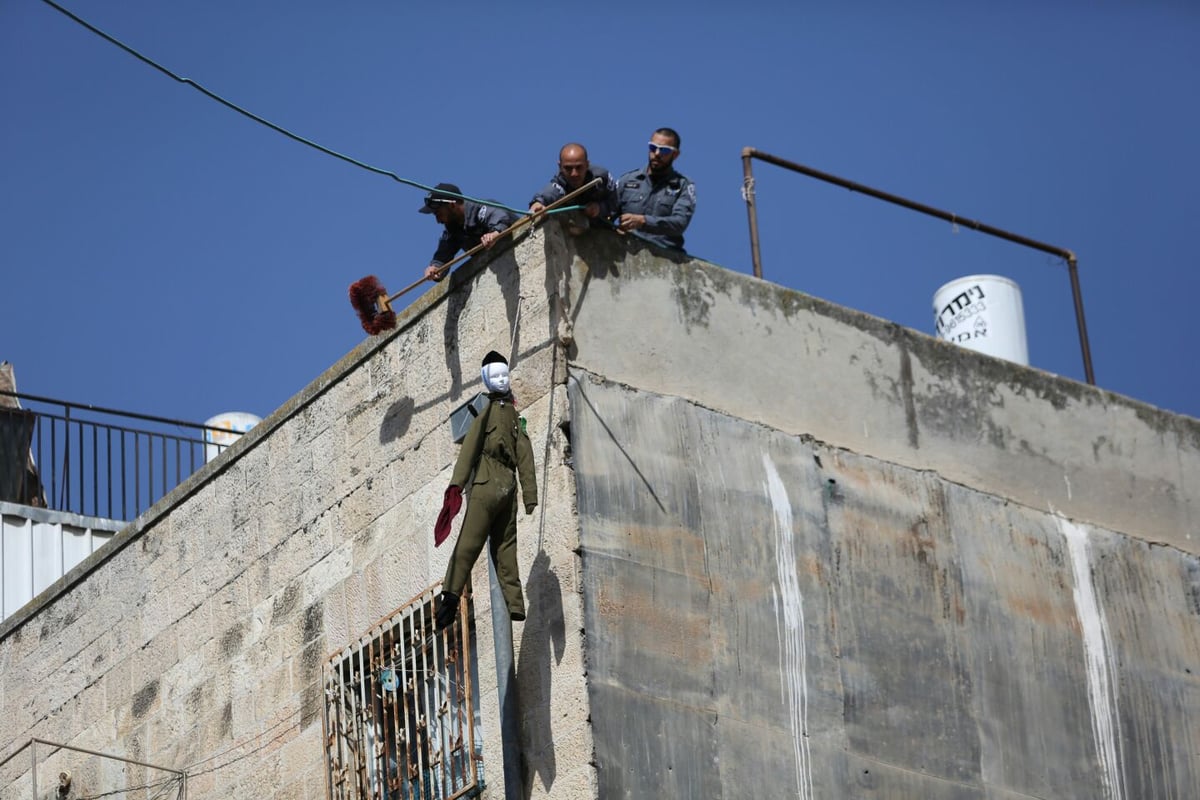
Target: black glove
[447, 611]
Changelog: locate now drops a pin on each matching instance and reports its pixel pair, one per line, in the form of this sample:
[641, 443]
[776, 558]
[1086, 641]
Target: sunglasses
[662, 149]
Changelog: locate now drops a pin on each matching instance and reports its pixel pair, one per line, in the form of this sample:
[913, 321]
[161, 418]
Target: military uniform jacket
[478, 219]
[604, 195]
[495, 446]
[667, 202]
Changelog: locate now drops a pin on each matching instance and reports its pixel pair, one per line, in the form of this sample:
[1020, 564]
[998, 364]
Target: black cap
[442, 193]
[492, 357]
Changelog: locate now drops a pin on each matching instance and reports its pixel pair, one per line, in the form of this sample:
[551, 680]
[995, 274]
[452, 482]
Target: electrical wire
[165, 785]
[277, 128]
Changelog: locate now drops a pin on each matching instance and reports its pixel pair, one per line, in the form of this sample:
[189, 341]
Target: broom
[373, 303]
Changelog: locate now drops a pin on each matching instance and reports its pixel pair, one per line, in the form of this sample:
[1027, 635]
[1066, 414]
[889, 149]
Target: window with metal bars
[401, 709]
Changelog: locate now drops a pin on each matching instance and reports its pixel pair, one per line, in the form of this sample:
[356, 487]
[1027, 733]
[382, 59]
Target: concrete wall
[195, 639]
[827, 557]
[769, 616]
[814, 555]
[759, 352]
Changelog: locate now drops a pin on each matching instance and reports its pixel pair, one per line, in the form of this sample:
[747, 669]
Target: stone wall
[195, 640]
[784, 549]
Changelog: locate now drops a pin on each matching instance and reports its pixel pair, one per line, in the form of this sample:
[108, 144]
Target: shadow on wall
[508, 276]
[558, 274]
[545, 629]
[458, 292]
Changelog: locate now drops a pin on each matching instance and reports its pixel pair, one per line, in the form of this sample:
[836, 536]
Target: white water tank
[983, 313]
[236, 422]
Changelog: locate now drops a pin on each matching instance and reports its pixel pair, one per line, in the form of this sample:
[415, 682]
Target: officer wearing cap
[656, 201]
[494, 453]
[573, 172]
[466, 222]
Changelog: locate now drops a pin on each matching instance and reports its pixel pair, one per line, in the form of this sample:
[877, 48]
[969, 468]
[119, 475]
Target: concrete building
[784, 549]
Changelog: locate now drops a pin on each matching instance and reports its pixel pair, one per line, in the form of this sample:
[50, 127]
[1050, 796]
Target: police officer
[496, 447]
[656, 201]
[574, 171]
[466, 222]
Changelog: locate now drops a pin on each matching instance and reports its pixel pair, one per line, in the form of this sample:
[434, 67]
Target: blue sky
[165, 255]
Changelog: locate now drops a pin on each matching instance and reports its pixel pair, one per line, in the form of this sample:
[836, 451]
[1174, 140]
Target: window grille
[400, 709]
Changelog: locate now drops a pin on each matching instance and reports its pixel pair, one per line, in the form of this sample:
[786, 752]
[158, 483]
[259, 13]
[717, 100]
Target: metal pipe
[751, 209]
[506, 686]
[1080, 322]
[1000, 233]
[85, 751]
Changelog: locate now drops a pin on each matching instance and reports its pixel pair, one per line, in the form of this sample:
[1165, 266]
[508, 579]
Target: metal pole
[1080, 322]
[751, 210]
[122, 759]
[33, 766]
[1000, 233]
[506, 686]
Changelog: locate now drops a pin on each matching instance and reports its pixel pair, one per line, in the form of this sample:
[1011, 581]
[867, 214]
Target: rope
[277, 128]
[512, 343]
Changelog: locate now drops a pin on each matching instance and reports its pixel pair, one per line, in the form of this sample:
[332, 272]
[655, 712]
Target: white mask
[495, 377]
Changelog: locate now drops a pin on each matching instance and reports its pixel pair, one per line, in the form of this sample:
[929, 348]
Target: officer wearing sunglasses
[656, 202]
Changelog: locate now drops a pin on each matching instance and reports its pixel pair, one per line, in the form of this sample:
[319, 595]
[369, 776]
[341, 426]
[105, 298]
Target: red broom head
[364, 296]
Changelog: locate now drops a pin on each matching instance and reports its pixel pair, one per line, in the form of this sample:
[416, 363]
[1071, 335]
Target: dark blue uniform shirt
[604, 195]
[667, 201]
[478, 219]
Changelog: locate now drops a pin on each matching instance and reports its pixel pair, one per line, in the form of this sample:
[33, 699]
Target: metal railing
[748, 194]
[93, 461]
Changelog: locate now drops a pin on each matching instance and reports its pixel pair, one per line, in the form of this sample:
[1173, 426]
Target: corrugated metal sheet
[37, 547]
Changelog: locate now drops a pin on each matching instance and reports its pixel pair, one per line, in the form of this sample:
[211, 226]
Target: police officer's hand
[489, 238]
[535, 207]
[631, 222]
[592, 209]
[434, 273]
[529, 507]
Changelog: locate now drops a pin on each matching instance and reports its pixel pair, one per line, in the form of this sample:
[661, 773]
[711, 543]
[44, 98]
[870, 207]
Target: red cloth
[450, 506]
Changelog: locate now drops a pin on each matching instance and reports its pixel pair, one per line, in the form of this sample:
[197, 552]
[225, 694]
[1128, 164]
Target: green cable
[295, 137]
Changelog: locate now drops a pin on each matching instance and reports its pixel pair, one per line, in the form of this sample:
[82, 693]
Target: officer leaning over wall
[466, 222]
[656, 201]
[495, 447]
[600, 202]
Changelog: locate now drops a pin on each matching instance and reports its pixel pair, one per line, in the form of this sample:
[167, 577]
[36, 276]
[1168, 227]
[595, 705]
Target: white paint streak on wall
[1101, 677]
[790, 602]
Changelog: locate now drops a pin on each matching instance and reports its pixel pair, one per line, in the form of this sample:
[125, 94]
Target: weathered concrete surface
[763, 353]
[986, 587]
[769, 616]
[195, 639]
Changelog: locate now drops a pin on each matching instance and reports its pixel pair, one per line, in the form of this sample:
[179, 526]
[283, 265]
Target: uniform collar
[660, 178]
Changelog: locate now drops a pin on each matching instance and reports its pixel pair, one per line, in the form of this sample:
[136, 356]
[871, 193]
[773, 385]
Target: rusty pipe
[751, 211]
[1080, 322]
[1068, 256]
